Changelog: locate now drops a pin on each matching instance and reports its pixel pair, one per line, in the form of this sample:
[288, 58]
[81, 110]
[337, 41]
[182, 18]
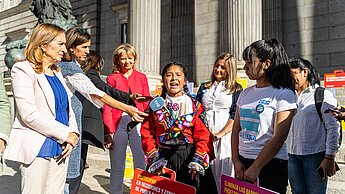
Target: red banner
[145, 182]
[231, 185]
[335, 79]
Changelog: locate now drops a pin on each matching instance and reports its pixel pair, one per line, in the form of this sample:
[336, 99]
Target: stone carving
[58, 12]
[14, 52]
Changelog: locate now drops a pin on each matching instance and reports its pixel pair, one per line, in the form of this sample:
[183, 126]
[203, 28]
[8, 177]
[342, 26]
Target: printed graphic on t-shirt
[250, 122]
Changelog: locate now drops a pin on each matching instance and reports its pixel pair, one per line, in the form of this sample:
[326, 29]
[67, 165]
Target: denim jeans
[303, 174]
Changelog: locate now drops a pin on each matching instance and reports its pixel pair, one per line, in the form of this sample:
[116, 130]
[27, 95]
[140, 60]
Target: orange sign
[335, 79]
[145, 182]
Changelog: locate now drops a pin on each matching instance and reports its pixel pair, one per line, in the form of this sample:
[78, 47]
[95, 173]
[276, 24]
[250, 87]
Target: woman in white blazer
[44, 131]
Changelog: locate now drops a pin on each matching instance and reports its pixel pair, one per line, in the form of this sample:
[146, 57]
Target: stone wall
[16, 22]
[315, 30]
[206, 38]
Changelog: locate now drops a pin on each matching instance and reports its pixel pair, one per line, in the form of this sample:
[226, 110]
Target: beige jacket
[35, 114]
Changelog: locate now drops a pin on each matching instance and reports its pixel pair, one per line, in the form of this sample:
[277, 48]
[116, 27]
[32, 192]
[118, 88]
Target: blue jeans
[303, 174]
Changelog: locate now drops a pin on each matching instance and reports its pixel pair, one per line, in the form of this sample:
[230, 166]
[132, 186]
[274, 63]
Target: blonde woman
[219, 96]
[127, 79]
[78, 47]
[44, 131]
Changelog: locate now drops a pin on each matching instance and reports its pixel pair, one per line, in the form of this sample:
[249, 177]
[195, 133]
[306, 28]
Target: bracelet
[329, 158]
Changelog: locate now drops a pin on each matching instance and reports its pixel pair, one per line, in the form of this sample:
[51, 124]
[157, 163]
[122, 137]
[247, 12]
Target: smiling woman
[126, 79]
[219, 96]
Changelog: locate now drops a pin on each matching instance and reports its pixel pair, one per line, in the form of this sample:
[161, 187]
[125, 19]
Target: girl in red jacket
[176, 137]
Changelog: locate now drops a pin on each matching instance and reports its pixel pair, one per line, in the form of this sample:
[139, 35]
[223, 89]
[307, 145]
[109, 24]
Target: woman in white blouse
[78, 42]
[312, 143]
[219, 96]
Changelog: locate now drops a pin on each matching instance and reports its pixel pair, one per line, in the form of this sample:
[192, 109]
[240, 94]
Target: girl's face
[126, 61]
[255, 69]
[300, 78]
[80, 52]
[174, 80]
[219, 70]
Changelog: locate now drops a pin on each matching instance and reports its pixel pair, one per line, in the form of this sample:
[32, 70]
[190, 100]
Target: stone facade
[195, 32]
[16, 22]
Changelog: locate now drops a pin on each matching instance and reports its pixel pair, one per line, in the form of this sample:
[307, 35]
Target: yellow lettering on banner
[248, 191]
[241, 189]
[233, 186]
[146, 179]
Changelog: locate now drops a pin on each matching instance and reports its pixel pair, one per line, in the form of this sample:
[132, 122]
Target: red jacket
[197, 134]
[136, 83]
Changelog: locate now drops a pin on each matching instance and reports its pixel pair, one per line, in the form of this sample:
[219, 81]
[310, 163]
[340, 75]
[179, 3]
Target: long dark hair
[164, 71]
[93, 61]
[278, 73]
[313, 76]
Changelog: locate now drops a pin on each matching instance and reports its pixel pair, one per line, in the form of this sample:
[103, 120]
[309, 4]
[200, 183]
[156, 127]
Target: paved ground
[96, 177]
[95, 181]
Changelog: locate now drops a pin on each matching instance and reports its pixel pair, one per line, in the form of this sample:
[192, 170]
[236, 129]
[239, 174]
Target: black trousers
[74, 183]
[273, 176]
[178, 159]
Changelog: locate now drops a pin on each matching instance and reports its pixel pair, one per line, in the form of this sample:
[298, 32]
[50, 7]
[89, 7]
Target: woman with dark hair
[312, 145]
[175, 135]
[263, 117]
[78, 42]
[219, 96]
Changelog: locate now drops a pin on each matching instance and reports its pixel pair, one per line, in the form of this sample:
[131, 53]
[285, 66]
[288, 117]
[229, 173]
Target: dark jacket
[93, 127]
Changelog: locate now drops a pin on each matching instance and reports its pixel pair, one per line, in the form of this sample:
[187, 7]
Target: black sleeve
[233, 105]
[119, 95]
[200, 93]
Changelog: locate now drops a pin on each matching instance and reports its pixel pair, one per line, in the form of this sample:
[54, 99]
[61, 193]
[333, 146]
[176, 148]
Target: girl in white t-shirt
[263, 117]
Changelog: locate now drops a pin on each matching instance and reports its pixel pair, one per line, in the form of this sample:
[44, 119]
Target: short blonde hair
[41, 35]
[123, 48]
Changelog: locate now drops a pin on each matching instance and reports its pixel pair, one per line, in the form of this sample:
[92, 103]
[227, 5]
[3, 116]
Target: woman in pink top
[127, 79]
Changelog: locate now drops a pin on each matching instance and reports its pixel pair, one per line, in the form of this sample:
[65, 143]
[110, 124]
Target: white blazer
[35, 114]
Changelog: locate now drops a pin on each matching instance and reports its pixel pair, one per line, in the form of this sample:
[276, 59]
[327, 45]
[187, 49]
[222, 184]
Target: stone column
[272, 19]
[241, 24]
[144, 19]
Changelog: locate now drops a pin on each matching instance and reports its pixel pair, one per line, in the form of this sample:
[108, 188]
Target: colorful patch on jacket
[174, 128]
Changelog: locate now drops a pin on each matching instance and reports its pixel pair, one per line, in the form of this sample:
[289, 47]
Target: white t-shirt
[258, 108]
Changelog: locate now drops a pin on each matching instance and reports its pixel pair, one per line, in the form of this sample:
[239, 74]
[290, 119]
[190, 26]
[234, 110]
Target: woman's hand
[67, 150]
[217, 136]
[251, 174]
[328, 167]
[135, 114]
[139, 97]
[108, 141]
[2, 145]
[239, 169]
[340, 115]
[72, 139]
